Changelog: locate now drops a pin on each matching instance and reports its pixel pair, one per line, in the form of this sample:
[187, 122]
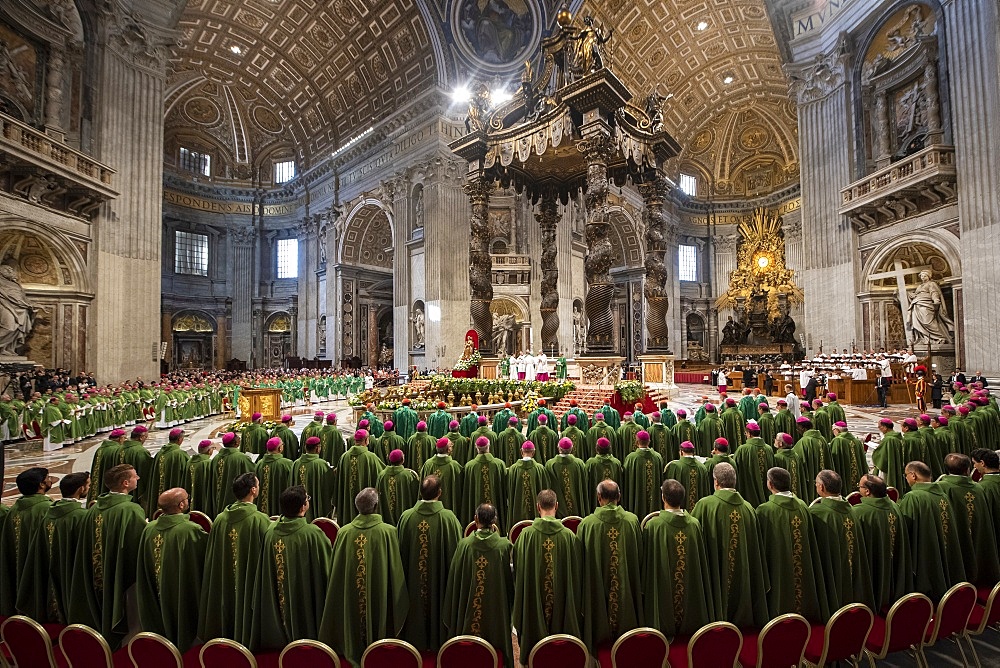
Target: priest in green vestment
[548, 579]
[601, 429]
[675, 575]
[169, 571]
[915, 448]
[43, 587]
[428, 534]
[709, 430]
[661, 438]
[448, 473]
[106, 557]
[765, 420]
[821, 420]
[748, 404]
[461, 447]
[397, 489]
[108, 454]
[232, 554]
[367, 597]
[612, 587]
[930, 521]
[334, 445]
[483, 429]
[603, 466]
[388, 442]
[199, 483]
[848, 455]
[889, 556]
[944, 435]
[889, 457]
[480, 591]
[535, 417]
[525, 479]
[814, 451]
[437, 422]
[288, 597]
[578, 437]
[582, 421]
[735, 556]
[643, 471]
[254, 436]
[509, 441]
[626, 434]
[610, 415]
[791, 554]
[134, 452]
[784, 420]
[546, 439]
[846, 563]
[733, 423]
[973, 517]
[720, 455]
[691, 474]
[470, 422]
[484, 481]
[568, 478]
[288, 438]
[169, 470]
[639, 417]
[318, 477]
[987, 462]
[359, 468]
[227, 464]
[274, 472]
[405, 419]
[26, 517]
[752, 460]
[312, 429]
[684, 430]
[502, 416]
[787, 458]
[835, 410]
[420, 447]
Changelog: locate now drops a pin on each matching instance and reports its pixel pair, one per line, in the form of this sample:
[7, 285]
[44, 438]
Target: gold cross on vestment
[482, 562]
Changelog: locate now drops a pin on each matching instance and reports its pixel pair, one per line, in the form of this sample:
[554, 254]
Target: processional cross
[900, 273]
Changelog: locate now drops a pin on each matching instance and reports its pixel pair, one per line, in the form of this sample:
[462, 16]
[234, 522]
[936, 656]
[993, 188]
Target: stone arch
[938, 240]
[193, 339]
[193, 320]
[510, 305]
[368, 236]
[626, 243]
[51, 260]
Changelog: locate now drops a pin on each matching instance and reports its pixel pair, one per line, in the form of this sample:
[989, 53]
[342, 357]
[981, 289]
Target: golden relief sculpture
[192, 323]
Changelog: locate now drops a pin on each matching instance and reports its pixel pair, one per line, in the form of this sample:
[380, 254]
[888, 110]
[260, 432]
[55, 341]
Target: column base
[658, 373]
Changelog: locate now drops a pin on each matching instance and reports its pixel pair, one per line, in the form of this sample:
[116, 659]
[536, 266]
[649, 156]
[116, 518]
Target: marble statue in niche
[418, 327]
[927, 316]
[17, 313]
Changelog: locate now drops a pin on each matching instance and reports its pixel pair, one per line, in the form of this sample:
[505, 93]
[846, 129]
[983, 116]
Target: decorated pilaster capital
[792, 228]
[597, 148]
[243, 236]
[478, 189]
[816, 79]
[655, 190]
[726, 243]
[142, 44]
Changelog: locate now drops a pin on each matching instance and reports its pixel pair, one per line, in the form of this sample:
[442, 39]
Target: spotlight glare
[728, 80]
[461, 94]
[235, 48]
[501, 95]
[702, 25]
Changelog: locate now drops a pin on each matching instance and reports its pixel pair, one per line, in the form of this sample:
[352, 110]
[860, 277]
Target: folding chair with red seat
[329, 527]
[778, 645]
[715, 644]
[854, 498]
[647, 518]
[468, 652]
[151, 650]
[310, 654]
[83, 647]
[228, 653]
[28, 643]
[391, 653]
[471, 529]
[201, 519]
[902, 629]
[984, 617]
[842, 638]
[643, 646]
[562, 650]
[952, 617]
[572, 522]
[892, 493]
[516, 530]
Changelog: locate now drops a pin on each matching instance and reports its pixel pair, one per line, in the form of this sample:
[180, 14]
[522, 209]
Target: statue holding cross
[924, 309]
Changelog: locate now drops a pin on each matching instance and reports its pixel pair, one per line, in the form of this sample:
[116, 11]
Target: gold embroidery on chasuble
[476, 628]
[849, 537]
[265, 486]
[487, 495]
[680, 569]
[218, 475]
[302, 475]
[797, 561]
[354, 474]
[157, 558]
[191, 478]
[527, 498]
[422, 567]
[945, 528]
[360, 578]
[970, 506]
[892, 535]
[761, 462]
[734, 545]
[615, 586]
[548, 593]
[854, 464]
[279, 571]
[17, 538]
[692, 488]
[649, 479]
[568, 491]
[234, 551]
[97, 555]
[392, 494]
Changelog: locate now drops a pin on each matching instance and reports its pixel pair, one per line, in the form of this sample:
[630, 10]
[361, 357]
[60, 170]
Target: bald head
[608, 492]
[173, 501]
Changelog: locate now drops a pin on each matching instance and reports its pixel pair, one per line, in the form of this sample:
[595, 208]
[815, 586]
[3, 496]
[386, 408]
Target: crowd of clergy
[738, 514]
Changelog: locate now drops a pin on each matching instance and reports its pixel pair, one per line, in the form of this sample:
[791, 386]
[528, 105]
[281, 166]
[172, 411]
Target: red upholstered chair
[391, 653]
[984, 617]
[201, 519]
[471, 529]
[778, 645]
[572, 522]
[562, 650]
[977, 475]
[28, 643]
[902, 629]
[647, 518]
[157, 513]
[468, 652]
[717, 645]
[228, 653]
[952, 616]
[310, 654]
[643, 646]
[151, 650]
[842, 638]
[516, 530]
[892, 493]
[83, 647]
[854, 498]
[329, 527]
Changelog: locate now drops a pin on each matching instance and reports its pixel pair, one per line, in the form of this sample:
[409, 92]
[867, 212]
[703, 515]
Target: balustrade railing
[911, 170]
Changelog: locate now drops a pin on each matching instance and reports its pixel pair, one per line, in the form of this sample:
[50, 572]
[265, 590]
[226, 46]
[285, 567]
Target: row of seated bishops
[253, 578]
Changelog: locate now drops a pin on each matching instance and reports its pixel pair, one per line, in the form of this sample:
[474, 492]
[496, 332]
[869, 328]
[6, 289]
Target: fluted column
[478, 189]
[654, 194]
[54, 92]
[548, 219]
[598, 150]
[242, 291]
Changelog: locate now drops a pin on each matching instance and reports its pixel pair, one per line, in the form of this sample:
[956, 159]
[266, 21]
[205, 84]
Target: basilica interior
[191, 184]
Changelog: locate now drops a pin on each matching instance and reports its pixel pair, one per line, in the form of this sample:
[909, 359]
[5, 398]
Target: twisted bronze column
[598, 150]
[654, 193]
[478, 189]
[548, 218]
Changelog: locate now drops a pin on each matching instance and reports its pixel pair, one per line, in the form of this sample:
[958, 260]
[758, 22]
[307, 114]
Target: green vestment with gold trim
[889, 556]
[936, 548]
[846, 563]
[484, 480]
[568, 479]
[397, 489]
[643, 472]
[274, 476]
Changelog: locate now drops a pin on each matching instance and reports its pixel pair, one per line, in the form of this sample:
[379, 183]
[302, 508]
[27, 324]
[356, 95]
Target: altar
[471, 372]
[264, 400]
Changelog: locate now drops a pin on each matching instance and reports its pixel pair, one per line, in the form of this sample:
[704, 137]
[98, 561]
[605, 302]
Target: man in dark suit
[956, 377]
[980, 378]
[882, 385]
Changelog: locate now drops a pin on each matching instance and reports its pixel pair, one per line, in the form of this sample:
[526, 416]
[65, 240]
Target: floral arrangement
[241, 427]
[630, 390]
[472, 360]
[529, 403]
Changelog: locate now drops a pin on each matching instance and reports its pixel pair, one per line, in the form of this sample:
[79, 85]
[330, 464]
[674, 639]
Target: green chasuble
[480, 591]
[735, 558]
[274, 475]
[792, 462]
[233, 552]
[405, 420]
[815, 453]
[227, 465]
[25, 518]
[449, 472]
[849, 459]
[709, 430]
[965, 439]
[138, 456]
[974, 527]
[792, 559]
[200, 484]
[366, 599]
[546, 442]
[389, 441]
[312, 429]
[508, 445]
[916, 448]
[169, 578]
[548, 584]
[846, 563]
[568, 479]
[582, 420]
[888, 544]
[643, 471]
[612, 587]
[937, 551]
[611, 416]
[685, 431]
[715, 460]
[44, 587]
[890, 459]
[768, 429]
[484, 480]
[358, 469]
[419, 449]
[489, 434]
[288, 596]
[428, 534]
[691, 473]
[437, 423]
[733, 426]
[525, 479]
[747, 406]
[105, 565]
[675, 575]
[288, 440]
[626, 437]
[318, 477]
[936, 447]
[333, 445]
[836, 412]
[397, 492]
[784, 423]
[581, 447]
[662, 439]
[254, 439]
[603, 430]
[752, 460]
[461, 447]
[169, 470]
[533, 420]
[107, 455]
[469, 424]
[603, 467]
[821, 418]
[502, 419]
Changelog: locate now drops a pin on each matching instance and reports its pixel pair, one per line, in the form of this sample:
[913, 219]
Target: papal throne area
[499, 333]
